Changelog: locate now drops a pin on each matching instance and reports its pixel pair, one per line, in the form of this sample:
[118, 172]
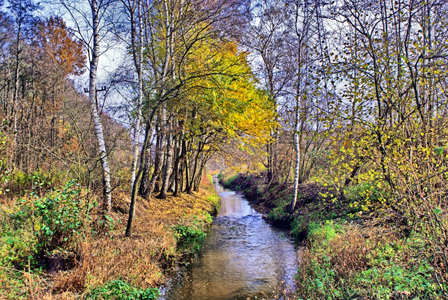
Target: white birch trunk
[297, 148]
[138, 65]
[94, 109]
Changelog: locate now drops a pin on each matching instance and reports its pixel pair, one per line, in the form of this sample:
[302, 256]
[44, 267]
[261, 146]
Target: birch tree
[134, 9]
[90, 23]
[301, 26]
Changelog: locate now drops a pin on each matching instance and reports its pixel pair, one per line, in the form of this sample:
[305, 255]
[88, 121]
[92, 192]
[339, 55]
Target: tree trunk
[138, 177]
[157, 165]
[144, 184]
[137, 61]
[193, 175]
[168, 161]
[94, 109]
[177, 168]
[297, 148]
[187, 176]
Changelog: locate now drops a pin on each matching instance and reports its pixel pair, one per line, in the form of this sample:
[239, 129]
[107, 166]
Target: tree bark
[298, 153]
[138, 58]
[168, 161]
[94, 109]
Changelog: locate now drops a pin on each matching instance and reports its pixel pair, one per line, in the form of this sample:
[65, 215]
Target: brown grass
[141, 260]
[138, 259]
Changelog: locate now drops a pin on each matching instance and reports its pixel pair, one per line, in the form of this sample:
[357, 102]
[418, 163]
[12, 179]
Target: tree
[267, 39]
[22, 16]
[301, 25]
[134, 8]
[59, 45]
[91, 26]
[172, 29]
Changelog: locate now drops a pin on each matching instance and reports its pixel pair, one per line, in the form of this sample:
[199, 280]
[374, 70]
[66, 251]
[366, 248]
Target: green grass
[121, 290]
[228, 180]
[341, 264]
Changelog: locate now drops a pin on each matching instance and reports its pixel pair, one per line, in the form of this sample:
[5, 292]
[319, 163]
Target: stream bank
[348, 252]
[108, 265]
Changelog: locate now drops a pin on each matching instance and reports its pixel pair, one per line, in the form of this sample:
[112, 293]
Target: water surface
[242, 257]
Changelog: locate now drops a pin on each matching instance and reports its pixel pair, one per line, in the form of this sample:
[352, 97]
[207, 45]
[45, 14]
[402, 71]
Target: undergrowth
[62, 223]
[345, 261]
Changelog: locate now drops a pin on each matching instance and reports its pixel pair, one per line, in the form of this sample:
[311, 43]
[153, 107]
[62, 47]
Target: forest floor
[346, 252]
[102, 266]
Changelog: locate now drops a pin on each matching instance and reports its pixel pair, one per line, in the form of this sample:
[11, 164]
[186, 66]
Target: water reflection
[242, 257]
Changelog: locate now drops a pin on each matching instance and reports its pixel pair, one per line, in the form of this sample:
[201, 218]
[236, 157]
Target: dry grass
[361, 261]
[141, 259]
[138, 259]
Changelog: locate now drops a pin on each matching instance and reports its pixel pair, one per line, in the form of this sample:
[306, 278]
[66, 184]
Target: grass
[345, 261]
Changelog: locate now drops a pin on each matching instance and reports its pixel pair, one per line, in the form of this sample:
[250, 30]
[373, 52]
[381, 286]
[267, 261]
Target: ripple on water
[242, 257]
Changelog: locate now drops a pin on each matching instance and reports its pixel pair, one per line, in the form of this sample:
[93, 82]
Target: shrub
[194, 231]
[16, 246]
[280, 216]
[299, 228]
[366, 196]
[228, 180]
[188, 233]
[56, 218]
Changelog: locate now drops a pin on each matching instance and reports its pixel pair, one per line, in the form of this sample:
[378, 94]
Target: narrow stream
[242, 257]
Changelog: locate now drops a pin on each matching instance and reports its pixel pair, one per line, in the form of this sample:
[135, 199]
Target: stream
[242, 257]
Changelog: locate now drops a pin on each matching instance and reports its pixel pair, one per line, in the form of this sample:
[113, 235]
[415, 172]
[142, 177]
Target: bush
[366, 196]
[16, 246]
[227, 180]
[121, 290]
[188, 233]
[55, 219]
[194, 231]
[299, 228]
[280, 216]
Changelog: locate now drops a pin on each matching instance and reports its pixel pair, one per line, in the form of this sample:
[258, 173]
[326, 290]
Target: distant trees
[37, 57]
[43, 117]
[189, 69]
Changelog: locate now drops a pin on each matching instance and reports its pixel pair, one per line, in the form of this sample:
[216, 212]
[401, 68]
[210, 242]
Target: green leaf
[437, 211]
[439, 150]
